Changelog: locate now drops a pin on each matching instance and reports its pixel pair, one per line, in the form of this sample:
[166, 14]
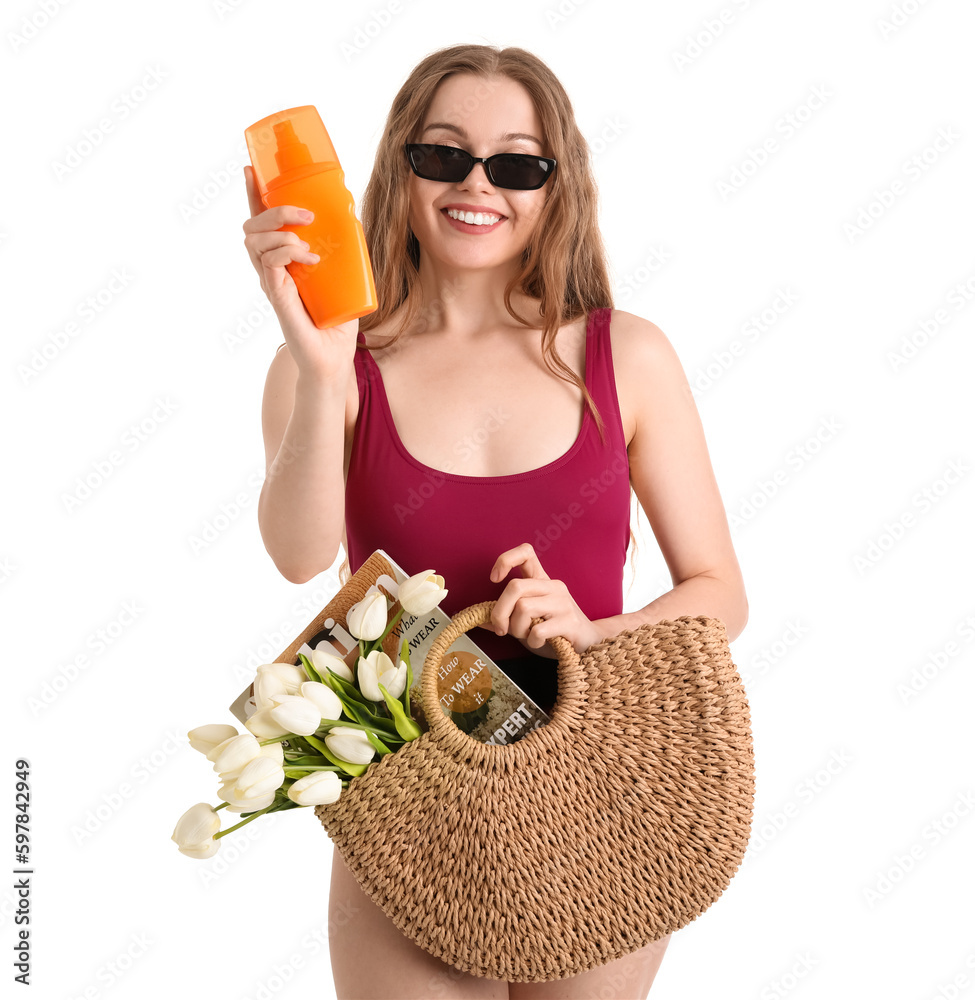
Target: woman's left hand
[535, 595]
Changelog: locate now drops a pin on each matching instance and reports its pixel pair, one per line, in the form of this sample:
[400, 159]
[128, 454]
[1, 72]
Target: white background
[823, 445]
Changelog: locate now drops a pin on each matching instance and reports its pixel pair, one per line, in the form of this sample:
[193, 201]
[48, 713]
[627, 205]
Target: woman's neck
[465, 303]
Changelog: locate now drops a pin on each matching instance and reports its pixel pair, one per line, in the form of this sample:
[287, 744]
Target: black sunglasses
[517, 171]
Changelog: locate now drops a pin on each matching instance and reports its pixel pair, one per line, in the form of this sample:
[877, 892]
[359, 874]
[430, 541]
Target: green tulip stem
[219, 807]
[243, 822]
[389, 627]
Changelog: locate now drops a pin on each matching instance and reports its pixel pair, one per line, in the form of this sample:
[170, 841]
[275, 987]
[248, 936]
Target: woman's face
[483, 115]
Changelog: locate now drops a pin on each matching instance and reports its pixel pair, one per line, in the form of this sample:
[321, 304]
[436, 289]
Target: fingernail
[306, 215]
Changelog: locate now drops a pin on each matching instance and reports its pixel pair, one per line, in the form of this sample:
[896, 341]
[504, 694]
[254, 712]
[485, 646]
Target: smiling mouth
[485, 219]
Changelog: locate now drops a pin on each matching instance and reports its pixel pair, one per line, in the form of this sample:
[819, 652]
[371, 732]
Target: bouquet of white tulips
[299, 750]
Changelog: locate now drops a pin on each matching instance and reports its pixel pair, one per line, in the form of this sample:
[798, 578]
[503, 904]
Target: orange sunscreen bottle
[295, 164]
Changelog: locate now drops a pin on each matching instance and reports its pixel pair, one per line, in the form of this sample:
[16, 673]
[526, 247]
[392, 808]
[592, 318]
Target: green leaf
[305, 762]
[341, 686]
[310, 669]
[405, 726]
[378, 743]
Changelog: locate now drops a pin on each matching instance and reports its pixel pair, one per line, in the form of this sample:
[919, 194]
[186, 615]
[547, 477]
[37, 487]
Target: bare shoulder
[646, 366]
[637, 340]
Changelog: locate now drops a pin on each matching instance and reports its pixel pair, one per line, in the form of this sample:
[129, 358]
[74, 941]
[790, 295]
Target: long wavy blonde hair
[564, 266]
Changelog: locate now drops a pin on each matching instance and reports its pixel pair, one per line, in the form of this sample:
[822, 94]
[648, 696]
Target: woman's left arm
[671, 473]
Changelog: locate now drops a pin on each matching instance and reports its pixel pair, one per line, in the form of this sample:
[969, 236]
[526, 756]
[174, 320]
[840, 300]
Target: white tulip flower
[350, 744]
[260, 776]
[322, 658]
[202, 851]
[205, 738]
[421, 593]
[267, 686]
[324, 698]
[194, 831]
[230, 757]
[275, 751]
[316, 789]
[377, 668]
[298, 714]
[263, 726]
[238, 805]
[292, 675]
[366, 619]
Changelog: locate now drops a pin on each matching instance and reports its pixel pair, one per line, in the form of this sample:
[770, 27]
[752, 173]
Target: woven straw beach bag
[619, 821]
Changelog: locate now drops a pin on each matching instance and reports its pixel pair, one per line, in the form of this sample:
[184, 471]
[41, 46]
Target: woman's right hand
[320, 354]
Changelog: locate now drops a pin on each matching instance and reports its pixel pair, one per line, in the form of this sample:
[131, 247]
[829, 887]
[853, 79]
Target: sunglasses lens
[516, 170]
[439, 163]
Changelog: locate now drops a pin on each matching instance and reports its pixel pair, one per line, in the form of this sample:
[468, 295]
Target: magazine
[474, 691]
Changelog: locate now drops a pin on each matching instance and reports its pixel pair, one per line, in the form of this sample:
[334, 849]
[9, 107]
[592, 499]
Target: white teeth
[472, 218]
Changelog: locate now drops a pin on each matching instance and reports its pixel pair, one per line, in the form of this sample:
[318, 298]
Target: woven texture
[619, 821]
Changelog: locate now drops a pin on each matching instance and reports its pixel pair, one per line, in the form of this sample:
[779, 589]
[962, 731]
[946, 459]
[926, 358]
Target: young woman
[489, 420]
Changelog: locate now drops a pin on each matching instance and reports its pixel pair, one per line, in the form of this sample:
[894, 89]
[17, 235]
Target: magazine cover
[474, 691]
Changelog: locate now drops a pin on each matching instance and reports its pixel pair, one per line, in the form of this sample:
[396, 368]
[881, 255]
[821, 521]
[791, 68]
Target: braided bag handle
[446, 732]
[621, 820]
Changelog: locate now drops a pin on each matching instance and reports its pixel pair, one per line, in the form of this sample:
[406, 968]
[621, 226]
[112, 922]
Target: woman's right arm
[301, 511]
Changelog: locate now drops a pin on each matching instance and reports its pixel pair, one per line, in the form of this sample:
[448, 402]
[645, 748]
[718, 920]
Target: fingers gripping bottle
[295, 164]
